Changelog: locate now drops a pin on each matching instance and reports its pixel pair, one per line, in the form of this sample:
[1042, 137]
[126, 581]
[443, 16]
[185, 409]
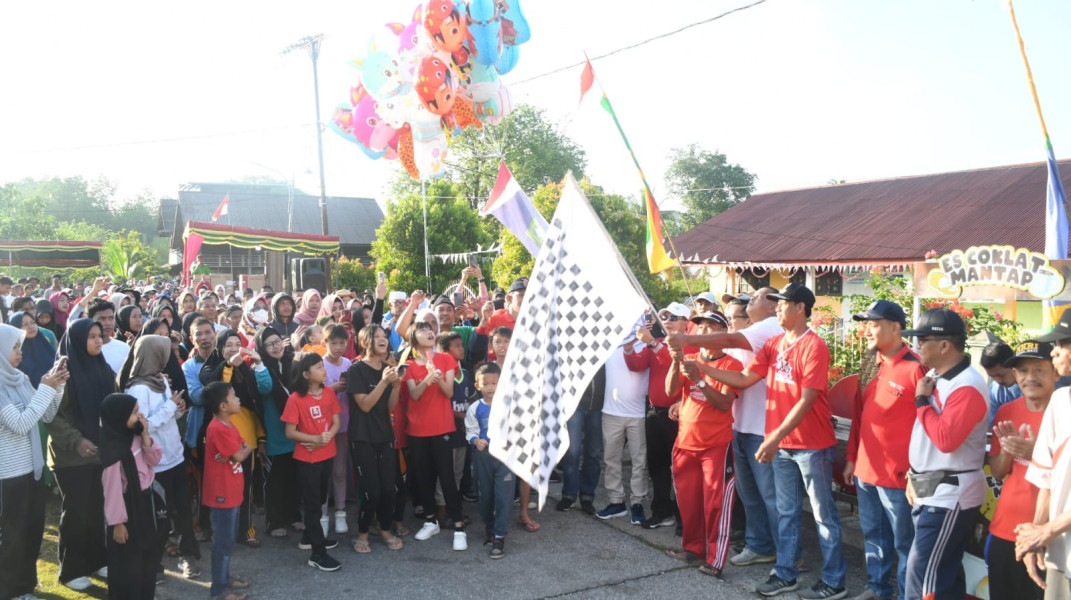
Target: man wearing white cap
[661, 431]
[390, 320]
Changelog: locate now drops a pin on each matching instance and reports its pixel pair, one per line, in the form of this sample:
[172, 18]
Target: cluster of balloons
[440, 77]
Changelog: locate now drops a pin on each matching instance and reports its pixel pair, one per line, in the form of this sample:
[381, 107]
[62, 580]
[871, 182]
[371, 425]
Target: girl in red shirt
[429, 377]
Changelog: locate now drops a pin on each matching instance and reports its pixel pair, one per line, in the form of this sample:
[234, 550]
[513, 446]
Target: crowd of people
[172, 413]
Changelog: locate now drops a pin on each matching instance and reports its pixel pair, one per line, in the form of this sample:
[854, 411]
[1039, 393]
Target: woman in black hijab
[74, 436]
[128, 320]
[188, 346]
[46, 319]
[164, 311]
[134, 548]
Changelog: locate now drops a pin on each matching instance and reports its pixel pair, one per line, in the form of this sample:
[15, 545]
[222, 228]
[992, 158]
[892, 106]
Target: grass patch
[48, 562]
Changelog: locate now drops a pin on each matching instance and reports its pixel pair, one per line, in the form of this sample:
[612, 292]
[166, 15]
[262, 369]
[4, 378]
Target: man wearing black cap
[1014, 432]
[507, 316]
[877, 453]
[946, 484]
[799, 441]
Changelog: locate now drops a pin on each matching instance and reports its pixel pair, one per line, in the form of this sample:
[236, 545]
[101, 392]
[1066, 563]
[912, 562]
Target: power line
[172, 139]
[638, 44]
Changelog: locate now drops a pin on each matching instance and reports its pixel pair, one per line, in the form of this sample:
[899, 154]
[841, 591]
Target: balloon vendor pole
[605, 102]
[427, 258]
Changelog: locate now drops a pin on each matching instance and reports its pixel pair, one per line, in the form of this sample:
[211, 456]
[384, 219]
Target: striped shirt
[16, 444]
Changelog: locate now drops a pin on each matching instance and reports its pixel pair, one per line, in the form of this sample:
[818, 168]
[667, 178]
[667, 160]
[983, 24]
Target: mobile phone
[382, 277]
[459, 298]
[648, 320]
[401, 369]
[472, 261]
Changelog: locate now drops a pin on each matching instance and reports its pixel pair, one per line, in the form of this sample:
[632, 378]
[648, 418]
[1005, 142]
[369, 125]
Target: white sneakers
[461, 541]
[325, 521]
[340, 522]
[79, 584]
[429, 529]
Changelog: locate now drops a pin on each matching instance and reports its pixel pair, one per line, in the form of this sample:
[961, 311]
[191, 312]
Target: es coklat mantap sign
[1003, 266]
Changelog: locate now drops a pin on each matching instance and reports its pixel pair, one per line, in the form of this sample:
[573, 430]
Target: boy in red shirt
[701, 454]
[312, 420]
[223, 483]
[799, 441]
[1015, 429]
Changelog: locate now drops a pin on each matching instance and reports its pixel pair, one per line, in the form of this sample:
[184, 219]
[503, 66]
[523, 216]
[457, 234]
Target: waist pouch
[925, 483]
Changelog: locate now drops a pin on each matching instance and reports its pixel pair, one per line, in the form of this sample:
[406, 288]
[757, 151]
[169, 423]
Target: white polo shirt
[749, 408]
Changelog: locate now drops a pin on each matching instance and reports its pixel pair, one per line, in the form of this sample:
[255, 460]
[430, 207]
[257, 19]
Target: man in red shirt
[1015, 429]
[660, 429]
[506, 317]
[877, 453]
[799, 441]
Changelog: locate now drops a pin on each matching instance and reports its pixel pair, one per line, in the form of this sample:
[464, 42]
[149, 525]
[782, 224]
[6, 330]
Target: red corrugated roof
[880, 222]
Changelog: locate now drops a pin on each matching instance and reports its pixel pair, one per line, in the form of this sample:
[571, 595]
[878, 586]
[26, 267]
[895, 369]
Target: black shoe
[657, 521]
[469, 496]
[498, 548]
[329, 544]
[775, 585]
[324, 562]
[587, 506]
[555, 476]
[564, 504]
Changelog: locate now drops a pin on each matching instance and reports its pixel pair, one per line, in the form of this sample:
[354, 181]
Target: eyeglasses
[672, 318]
[274, 344]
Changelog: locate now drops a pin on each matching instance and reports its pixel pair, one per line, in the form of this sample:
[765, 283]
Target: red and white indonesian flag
[221, 209]
[510, 205]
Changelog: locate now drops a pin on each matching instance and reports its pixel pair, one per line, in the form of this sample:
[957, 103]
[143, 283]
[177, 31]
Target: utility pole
[312, 44]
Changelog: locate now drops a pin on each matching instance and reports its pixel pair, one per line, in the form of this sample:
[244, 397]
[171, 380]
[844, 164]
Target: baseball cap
[677, 309]
[938, 321]
[441, 299]
[794, 292]
[1061, 331]
[708, 297]
[518, 285]
[499, 293]
[883, 309]
[1030, 349]
[713, 315]
[728, 299]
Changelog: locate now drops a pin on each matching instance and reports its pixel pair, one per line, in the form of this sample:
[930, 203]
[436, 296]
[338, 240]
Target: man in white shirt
[115, 352]
[749, 328]
[624, 410]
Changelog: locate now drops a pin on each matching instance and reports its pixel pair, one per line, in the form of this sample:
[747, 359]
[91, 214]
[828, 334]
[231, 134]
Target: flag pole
[1029, 73]
[643, 178]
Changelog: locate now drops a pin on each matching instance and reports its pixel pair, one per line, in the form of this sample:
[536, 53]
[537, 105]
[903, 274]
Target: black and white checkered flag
[581, 302]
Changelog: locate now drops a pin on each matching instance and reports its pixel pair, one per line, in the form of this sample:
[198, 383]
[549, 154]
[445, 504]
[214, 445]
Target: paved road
[573, 556]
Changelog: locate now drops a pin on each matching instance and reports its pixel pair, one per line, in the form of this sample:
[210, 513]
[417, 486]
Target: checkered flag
[581, 302]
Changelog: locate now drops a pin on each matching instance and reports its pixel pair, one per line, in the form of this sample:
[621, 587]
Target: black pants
[246, 530]
[22, 526]
[132, 565]
[401, 486]
[179, 509]
[282, 496]
[433, 459]
[82, 549]
[376, 471]
[1008, 577]
[202, 514]
[661, 435]
[314, 479]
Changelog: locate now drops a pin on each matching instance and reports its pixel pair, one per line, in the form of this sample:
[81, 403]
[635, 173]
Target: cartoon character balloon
[438, 74]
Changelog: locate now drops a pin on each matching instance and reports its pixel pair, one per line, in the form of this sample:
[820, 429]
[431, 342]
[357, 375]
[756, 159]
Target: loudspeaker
[309, 273]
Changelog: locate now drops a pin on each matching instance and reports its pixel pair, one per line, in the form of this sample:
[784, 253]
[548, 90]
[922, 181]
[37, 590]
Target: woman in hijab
[61, 309]
[38, 356]
[310, 308]
[128, 455]
[128, 323]
[283, 308]
[119, 300]
[228, 363]
[74, 435]
[282, 497]
[143, 378]
[45, 322]
[186, 302]
[22, 486]
[165, 312]
[187, 346]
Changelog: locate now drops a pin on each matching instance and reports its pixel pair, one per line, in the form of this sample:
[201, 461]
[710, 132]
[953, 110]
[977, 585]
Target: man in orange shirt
[877, 454]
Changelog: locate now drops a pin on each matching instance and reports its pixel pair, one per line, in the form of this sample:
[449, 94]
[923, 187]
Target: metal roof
[891, 221]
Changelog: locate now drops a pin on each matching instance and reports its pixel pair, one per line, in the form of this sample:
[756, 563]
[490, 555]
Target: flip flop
[237, 583]
[530, 526]
[361, 547]
[394, 543]
[401, 531]
[706, 569]
[278, 532]
[172, 549]
[682, 554]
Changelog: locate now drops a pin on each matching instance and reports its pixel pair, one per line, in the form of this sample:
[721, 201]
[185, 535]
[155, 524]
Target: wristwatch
[702, 384]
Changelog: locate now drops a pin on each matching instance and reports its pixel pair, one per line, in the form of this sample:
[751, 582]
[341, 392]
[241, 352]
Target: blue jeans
[755, 486]
[495, 483]
[797, 471]
[585, 437]
[885, 518]
[224, 532]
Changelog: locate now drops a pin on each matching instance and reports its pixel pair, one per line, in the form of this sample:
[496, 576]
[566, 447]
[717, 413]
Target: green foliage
[706, 183]
[625, 223]
[980, 318]
[22, 218]
[125, 257]
[453, 227]
[354, 275]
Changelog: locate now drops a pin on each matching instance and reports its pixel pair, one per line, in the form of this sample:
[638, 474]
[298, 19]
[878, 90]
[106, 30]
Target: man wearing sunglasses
[946, 484]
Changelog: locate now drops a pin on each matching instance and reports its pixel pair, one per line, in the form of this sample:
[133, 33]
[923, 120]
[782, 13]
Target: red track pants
[705, 492]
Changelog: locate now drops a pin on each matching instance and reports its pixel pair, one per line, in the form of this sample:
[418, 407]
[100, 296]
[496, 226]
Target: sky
[798, 92]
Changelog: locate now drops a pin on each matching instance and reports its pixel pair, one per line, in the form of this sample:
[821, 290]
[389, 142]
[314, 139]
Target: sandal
[682, 554]
[231, 596]
[394, 543]
[706, 569]
[530, 526]
[297, 526]
[237, 583]
[361, 547]
[251, 542]
[203, 536]
[401, 530]
[278, 532]
[172, 549]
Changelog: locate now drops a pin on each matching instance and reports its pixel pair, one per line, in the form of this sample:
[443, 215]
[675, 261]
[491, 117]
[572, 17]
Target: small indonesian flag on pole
[222, 209]
[587, 79]
[509, 204]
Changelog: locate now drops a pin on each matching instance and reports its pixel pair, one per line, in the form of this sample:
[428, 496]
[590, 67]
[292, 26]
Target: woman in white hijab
[22, 489]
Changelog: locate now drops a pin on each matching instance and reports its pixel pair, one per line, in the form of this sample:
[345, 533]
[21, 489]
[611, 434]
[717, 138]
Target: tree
[453, 227]
[125, 257]
[706, 183]
[354, 275]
